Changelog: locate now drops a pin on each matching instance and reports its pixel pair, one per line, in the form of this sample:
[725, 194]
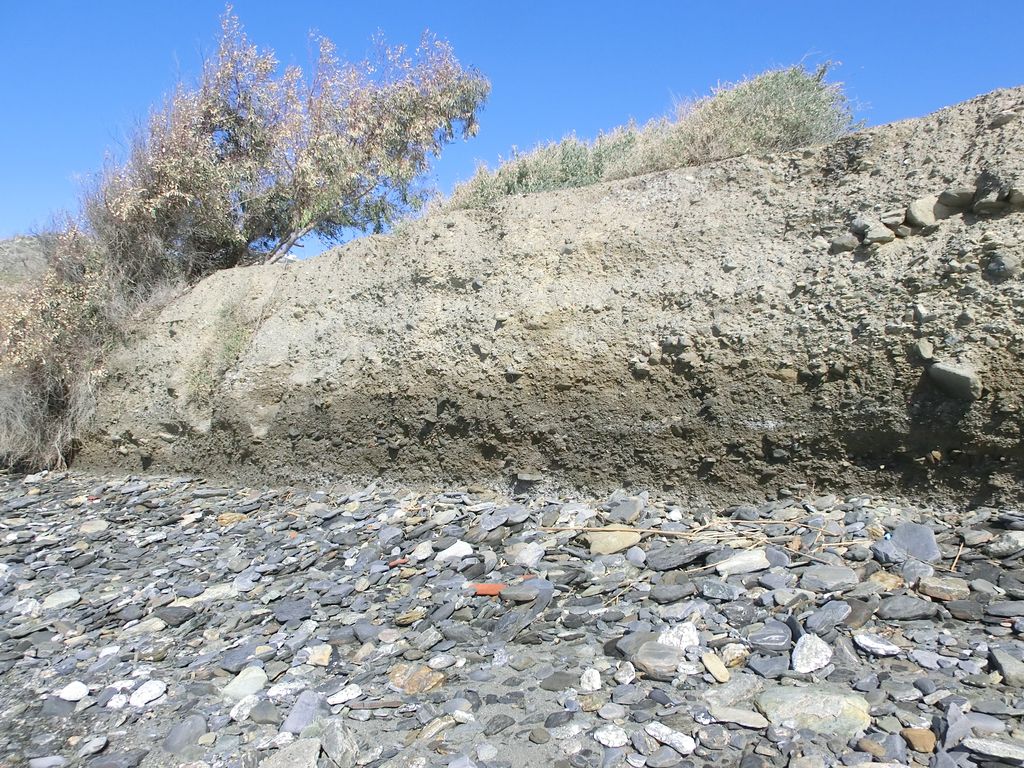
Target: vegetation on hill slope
[777, 110]
[234, 170]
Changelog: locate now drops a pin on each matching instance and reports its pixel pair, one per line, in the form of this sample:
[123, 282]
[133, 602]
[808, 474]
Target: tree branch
[284, 246]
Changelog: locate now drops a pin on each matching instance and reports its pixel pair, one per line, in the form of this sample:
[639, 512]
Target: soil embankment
[818, 317]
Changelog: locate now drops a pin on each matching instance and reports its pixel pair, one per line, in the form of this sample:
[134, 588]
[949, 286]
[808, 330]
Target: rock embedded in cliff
[1003, 266]
[989, 195]
[958, 381]
[923, 351]
[844, 243]
[872, 230]
[959, 197]
[926, 211]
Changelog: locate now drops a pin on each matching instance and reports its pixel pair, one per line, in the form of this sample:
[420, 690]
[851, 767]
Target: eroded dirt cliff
[816, 318]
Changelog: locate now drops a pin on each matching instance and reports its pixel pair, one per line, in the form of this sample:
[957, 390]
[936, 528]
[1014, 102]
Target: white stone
[734, 654]
[348, 693]
[117, 701]
[284, 691]
[487, 752]
[422, 551]
[875, 645]
[442, 661]
[625, 674]
[148, 692]
[682, 636]
[810, 654]
[611, 736]
[528, 555]
[65, 598]
[74, 691]
[744, 562]
[456, 551]
[240, 712]
[680, 742]
[590, 681]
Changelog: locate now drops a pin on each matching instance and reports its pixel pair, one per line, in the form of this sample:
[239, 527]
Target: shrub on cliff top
[775, 111]
[239, 168]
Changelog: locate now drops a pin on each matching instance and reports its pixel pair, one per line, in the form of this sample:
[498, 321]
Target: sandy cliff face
[817, 317]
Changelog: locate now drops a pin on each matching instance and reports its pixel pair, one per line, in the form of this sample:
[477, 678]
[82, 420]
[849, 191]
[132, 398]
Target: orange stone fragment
[414, 678]
[489, 590]
[919, 739]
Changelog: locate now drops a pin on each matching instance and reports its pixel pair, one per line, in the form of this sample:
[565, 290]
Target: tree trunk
[284, 246]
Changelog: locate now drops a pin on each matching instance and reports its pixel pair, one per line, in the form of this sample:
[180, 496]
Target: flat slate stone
[828, 578]
[917, 541]
[828, 710]
[906, 608]
[185, 734]
[292, 610]
[675, 556]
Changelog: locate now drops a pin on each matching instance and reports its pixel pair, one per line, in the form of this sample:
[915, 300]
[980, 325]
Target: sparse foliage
[778, 110]
[51, 331]
[232, 332]
[240, 168]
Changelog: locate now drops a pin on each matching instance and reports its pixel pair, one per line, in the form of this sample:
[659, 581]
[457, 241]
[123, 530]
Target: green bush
[778, 110]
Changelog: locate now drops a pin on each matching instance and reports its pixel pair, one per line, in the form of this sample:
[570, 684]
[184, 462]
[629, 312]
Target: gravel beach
[154, 621]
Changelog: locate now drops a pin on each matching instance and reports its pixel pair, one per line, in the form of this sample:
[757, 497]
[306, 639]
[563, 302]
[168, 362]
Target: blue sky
[75, 76]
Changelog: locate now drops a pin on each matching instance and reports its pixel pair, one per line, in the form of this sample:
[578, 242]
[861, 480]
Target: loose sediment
[154, 621]
[849, 317]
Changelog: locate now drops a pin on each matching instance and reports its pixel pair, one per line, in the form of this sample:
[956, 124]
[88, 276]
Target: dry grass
[232, 332]
[778, 110]
[54, 329]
